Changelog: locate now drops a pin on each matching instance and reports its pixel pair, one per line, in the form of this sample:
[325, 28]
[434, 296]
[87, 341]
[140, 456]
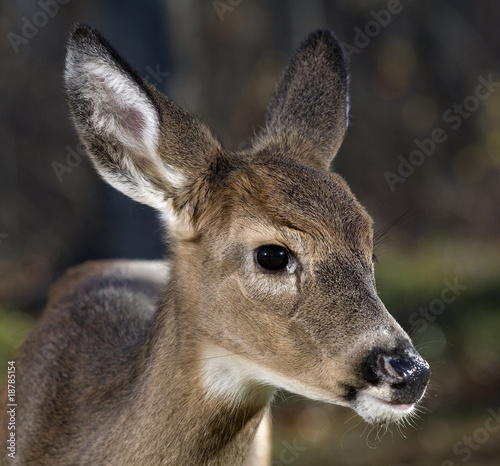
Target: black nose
[403, 370]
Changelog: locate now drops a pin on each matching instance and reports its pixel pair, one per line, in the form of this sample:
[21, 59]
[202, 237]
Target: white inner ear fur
[123, 112]
[121, 109]
[141, 191]
[175, 176]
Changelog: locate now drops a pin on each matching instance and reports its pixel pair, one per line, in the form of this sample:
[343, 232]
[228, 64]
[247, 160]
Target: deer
[268, 283]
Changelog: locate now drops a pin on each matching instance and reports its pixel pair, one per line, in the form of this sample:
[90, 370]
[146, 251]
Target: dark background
[412, 72]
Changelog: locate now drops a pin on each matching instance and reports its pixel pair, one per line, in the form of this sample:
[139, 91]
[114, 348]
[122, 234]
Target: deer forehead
[304, 209]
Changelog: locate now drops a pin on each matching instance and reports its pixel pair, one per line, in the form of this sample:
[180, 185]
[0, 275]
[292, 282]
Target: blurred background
[422, 154]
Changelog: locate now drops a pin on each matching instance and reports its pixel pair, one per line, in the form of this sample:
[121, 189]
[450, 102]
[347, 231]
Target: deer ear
[308, 113]
[139, 141]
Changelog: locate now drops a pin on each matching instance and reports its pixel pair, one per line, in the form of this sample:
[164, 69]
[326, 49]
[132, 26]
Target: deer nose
[407, 373]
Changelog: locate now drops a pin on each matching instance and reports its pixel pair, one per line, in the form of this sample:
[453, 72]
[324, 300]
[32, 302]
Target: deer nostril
[370, 374]
[393, 370]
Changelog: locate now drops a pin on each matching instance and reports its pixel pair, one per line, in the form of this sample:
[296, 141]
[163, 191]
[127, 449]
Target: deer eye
[272, 257]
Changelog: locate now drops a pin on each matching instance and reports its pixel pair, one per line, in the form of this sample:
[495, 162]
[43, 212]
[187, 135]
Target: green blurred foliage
[14, 327]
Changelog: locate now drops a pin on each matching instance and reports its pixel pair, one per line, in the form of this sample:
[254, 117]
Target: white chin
[375, 410]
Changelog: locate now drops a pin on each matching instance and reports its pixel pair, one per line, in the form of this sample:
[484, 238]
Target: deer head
[272, 276]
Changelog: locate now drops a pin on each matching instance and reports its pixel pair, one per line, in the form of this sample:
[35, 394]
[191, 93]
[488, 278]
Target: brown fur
[177, 362]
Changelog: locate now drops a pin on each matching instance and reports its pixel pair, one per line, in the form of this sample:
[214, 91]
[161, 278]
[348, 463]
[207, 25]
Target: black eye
[272, 257]
[374, 258]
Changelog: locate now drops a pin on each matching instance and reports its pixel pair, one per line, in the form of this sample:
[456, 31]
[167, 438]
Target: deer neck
[191, 395]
